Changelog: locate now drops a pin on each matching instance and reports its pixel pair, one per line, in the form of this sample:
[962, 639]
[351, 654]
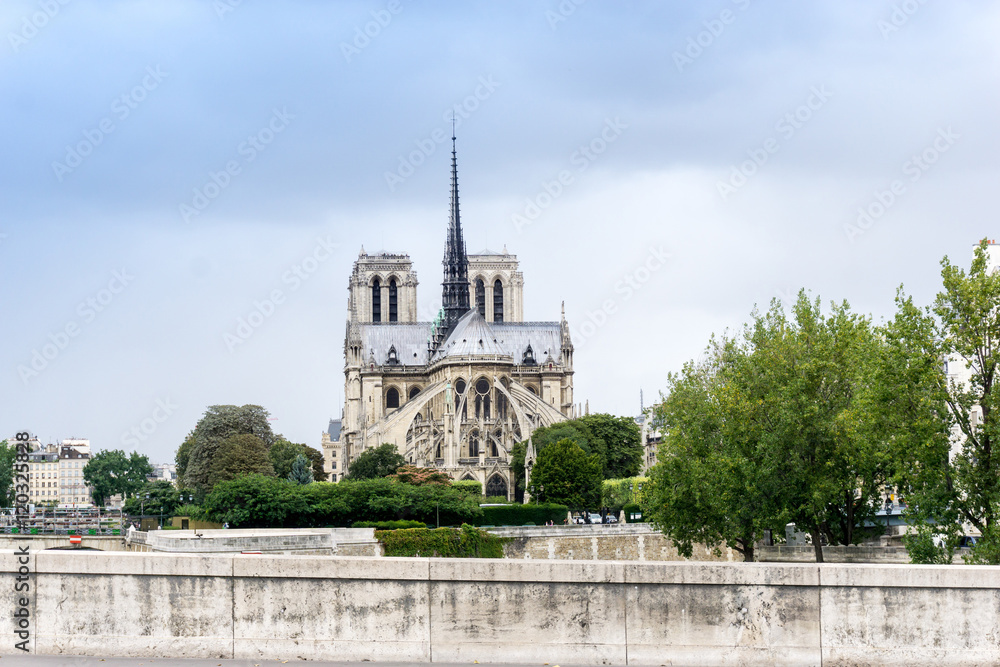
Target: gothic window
[393, 358]
[376, 301]
[496, 486]
[501, 406]
[532, 390]
[459, 390]
[481, 297]
[392, 301]
[483, 386]
[474, 443]
[392, 398]
[414, 391]
[486, 406]
[498, 301]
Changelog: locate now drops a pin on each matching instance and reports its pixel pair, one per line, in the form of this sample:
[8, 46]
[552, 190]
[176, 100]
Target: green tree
[968, 331]
[622, 443]
[237, 456]
[183, 456]
[257, 501]
[8, 455]
[219, 423]
[707, 486]
[316, 459]
[301, 470]
[769, 429]
[112, 471]
[565, 474]
[163, 499]
[572, 429]
[376, 462]
[283, 454]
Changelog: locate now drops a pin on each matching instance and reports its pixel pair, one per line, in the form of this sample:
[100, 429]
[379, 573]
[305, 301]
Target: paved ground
[8, 660]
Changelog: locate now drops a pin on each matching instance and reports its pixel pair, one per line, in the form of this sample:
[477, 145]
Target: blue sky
[714, 156]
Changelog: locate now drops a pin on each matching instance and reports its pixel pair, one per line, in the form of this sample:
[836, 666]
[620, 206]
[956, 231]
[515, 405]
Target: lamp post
[888, 508]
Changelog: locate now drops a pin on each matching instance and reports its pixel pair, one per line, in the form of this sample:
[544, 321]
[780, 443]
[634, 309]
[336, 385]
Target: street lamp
[888, 508]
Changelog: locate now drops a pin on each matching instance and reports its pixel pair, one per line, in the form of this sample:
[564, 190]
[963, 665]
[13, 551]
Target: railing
[62, 521]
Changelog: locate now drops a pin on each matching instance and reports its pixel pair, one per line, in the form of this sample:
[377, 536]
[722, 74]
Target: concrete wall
[635, 541]
[413, 609]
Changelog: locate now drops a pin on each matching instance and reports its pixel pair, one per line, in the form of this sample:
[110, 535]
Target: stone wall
[635, 541]
[583, 612]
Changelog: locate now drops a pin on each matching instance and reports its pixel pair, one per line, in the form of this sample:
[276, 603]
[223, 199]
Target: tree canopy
[301, 472]
[376, 462]
[113, 472]
[219, 423]
[239, 455]
[567, 475]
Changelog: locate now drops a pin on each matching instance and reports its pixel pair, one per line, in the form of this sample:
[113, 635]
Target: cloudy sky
[170, 168]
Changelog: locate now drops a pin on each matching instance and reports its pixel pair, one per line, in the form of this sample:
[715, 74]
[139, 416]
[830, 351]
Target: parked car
[578, 519]
[595, 517]
[611, 518]
[967, 541]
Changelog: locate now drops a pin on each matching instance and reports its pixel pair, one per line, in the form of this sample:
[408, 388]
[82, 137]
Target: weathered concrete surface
[632, 541]
[290, 541]
[446, 610]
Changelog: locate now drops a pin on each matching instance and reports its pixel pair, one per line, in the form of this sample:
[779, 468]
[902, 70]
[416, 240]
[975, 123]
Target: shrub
[190, 511]
[469, 486]
[519, 515]
[389, 525]
[464, 542]
[617, 493]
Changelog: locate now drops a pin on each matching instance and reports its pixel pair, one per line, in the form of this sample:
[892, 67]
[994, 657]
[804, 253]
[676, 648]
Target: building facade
[55, 473]
[458, 392]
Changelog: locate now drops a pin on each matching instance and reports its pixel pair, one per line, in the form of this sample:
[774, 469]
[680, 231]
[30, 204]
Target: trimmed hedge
[470, 487]
[464, 542]
[520, 515]
[389, 525]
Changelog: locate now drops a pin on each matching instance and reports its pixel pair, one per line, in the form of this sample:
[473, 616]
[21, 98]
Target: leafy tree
[111, 471]
[316, 459]
[968, 312]
[769, 429]
[622, 443]
[301, 470]
[8, 455]
[565, 474]
[163, 499]
[183, 456]
[257, 501]
[219, 423]
[376, 462]
[283, 454]
[572, 429]
[410, 474]
[237, 456]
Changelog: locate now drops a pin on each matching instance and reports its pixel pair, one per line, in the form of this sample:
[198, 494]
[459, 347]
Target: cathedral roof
[472, 336]
[409, 340]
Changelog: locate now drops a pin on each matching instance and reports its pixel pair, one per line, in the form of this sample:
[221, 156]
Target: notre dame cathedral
[457, 393]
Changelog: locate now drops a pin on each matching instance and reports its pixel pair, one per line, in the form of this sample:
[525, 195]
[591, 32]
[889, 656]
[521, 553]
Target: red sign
[75, 539]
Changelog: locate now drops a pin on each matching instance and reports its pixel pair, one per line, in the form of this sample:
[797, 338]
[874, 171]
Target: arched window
[414, 391]
[377, 301]
[392, 301]
[481, 297]
[474, 443]
[392, 398]
[498, 301]
[459, 390]
[501, 406]
[496, 486]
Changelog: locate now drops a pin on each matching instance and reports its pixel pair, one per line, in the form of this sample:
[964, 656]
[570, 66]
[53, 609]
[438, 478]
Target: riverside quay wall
[262, 607]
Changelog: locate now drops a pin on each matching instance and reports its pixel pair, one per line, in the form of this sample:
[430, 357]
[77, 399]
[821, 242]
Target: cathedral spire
[455, 288]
